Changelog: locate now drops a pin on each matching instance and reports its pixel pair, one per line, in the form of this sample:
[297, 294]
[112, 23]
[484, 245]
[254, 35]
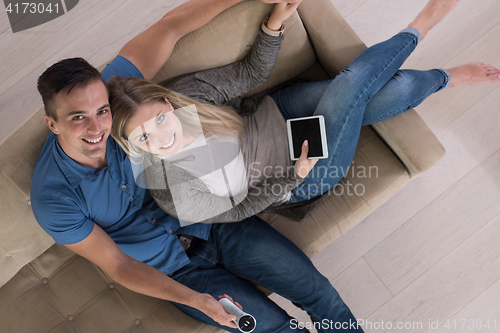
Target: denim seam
[447, 77]
[271, 289]
[416, 38]
[357, 101]
[210, 248]
[381, 118]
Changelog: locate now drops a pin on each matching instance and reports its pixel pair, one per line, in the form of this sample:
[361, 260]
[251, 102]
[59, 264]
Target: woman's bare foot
[474, 74]
[433, 13]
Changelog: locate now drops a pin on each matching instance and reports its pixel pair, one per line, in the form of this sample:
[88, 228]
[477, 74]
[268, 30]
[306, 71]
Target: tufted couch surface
[46, 288]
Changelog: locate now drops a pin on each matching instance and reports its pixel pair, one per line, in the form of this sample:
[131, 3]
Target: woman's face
[156, 129]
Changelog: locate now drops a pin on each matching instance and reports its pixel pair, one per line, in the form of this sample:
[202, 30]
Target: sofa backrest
[230, 36]
[224, 40]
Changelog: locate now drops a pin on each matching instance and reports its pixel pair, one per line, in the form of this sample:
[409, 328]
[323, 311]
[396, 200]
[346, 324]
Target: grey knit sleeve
[222, 84]
[191, 202]
[258, 198]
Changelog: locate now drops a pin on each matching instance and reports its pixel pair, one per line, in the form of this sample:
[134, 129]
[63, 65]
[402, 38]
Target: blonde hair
[126, 95]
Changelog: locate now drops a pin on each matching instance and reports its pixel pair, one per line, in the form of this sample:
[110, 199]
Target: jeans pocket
[202, 249]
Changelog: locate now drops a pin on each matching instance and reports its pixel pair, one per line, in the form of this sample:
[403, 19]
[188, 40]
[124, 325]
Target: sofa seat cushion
[63, 292]
[375, 175]
[21, 238]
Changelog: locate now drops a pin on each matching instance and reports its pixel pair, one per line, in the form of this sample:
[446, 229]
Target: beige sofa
[46, 288]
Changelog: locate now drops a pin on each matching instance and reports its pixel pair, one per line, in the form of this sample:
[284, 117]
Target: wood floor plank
[470, 33]
[456, 280]
[29, 49]
[347, 7]
[283, 302]
[483, 311]
[377, 20]
[361, 289]
[441, 109]
[450, 219]
[301, 317]
[469, 21]
[117, 30]
[19, 102]
[466, 150]
[434, 232]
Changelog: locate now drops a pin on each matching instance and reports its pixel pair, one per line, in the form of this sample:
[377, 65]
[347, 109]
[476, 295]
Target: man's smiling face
[83, 123]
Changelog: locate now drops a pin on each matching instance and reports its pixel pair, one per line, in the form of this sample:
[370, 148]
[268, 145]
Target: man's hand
[231, 299]
[212, 308]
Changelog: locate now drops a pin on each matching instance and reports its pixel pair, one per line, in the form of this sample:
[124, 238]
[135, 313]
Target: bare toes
[494, 78]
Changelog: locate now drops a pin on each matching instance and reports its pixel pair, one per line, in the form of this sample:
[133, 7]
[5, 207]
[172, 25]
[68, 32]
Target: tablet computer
[311, 129]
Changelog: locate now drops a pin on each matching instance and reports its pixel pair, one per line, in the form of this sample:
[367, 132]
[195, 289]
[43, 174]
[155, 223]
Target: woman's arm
[191, 201]
[220, 85]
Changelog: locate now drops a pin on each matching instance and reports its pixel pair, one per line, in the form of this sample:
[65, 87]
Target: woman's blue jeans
[371, 89]
[239, 254]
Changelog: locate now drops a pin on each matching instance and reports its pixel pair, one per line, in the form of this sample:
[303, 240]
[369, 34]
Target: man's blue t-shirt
[68, 198]
[122, 67]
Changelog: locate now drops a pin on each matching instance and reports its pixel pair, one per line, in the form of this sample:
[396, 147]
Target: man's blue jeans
[237, 255]
[371, 89]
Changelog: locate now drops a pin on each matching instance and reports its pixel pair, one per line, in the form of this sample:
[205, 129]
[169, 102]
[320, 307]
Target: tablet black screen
[307, 129]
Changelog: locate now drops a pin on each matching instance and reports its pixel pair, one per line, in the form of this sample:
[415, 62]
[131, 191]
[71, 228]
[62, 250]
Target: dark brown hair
[65, 73]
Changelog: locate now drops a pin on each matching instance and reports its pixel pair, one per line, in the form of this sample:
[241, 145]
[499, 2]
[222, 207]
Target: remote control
[245, 322]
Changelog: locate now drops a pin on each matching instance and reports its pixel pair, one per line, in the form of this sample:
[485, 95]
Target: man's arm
[222, 84]
[100, 249]
[149, 50]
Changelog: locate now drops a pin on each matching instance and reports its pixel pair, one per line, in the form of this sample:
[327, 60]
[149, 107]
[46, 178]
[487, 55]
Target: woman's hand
[303, 164]
[212, 308]
[281, 12]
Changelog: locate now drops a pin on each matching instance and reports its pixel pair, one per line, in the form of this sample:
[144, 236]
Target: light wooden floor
[432, 252]
[429, 254]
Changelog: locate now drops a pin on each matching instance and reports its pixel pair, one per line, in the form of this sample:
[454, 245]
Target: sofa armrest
[412, 141]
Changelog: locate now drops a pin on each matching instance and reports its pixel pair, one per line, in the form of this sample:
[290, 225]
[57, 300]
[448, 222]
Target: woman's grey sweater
[264, 146]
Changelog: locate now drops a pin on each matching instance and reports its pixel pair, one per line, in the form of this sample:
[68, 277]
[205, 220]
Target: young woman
[203, 162]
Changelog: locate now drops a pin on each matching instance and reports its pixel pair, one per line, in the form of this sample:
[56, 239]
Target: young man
[85, 196]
